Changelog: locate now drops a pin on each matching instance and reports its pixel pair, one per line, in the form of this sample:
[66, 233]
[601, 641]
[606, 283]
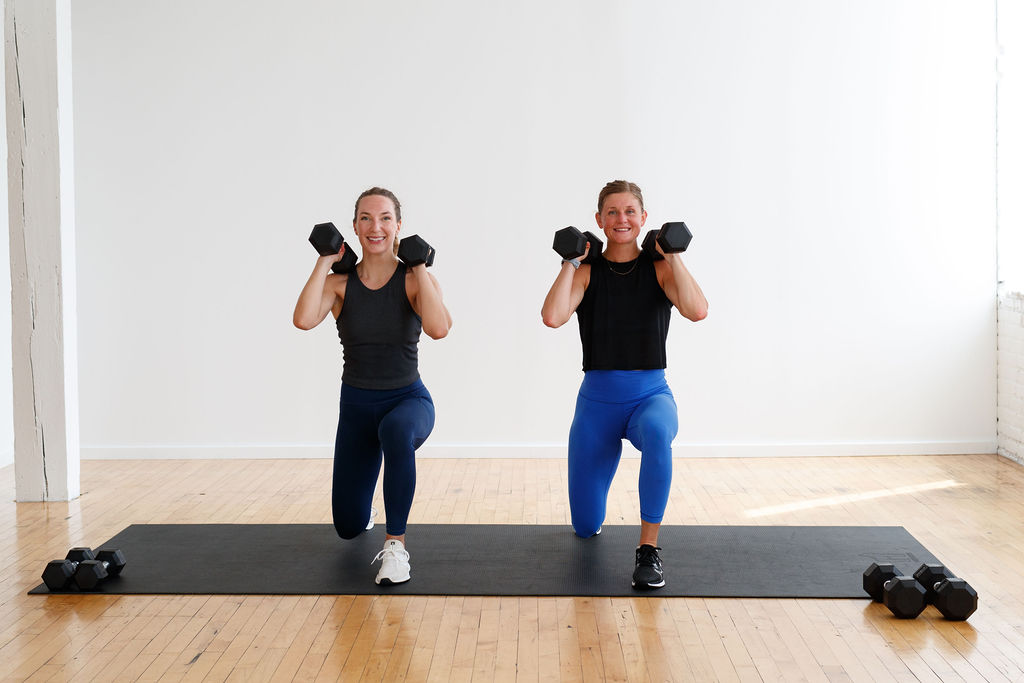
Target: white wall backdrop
[6, 377]
[834, 160]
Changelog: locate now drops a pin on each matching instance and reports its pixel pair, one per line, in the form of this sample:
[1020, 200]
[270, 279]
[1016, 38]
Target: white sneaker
[394, 563]
[373, 513]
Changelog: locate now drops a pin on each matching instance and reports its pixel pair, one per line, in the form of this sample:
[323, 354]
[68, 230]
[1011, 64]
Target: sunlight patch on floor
[849, 498]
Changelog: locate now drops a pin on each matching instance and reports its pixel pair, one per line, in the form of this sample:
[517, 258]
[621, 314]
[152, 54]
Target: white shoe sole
[389, 582]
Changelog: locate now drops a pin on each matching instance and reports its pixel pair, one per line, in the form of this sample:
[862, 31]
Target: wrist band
[574, 261]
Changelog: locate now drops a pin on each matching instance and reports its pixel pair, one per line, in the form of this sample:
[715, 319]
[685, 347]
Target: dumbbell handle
[935, 586]
[102, 563]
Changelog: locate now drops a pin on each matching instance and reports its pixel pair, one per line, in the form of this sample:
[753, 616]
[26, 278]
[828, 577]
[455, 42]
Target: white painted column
[6, 390]
[40, 168]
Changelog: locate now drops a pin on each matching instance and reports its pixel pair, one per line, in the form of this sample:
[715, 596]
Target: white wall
[1010, 383]
[6, 381]
[1010, 140]
[835, 162]
[1010, 206]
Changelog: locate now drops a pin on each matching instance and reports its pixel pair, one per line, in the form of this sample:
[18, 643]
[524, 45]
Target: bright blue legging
[614, 405]
[375, 425]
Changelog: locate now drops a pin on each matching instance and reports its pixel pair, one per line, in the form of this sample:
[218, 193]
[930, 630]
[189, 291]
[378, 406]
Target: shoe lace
[391, 551]
[647, 555]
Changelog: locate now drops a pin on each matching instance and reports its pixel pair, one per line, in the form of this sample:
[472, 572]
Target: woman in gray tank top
[386, 412]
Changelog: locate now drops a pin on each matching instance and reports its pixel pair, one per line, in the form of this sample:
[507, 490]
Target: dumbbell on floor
[875, 577]
[904, 597]
[57, 574]
[90, 573]
[327, 240]
[414, 250]
[673, 238]
[900, 593]
[907, 596]
[83, 568]
[953, 597]
[570, 243]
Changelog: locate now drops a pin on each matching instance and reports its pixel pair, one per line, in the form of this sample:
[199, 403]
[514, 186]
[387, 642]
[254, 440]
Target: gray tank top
[379, 334]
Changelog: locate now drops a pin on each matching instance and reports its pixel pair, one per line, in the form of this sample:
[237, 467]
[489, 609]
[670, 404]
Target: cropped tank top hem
[624, 317]
[379, 333]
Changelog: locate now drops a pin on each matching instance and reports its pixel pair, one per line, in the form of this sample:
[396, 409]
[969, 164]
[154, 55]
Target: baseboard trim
[541, 450]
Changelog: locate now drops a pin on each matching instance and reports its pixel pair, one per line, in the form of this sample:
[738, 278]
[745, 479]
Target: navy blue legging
[614, 405]
[373, 424]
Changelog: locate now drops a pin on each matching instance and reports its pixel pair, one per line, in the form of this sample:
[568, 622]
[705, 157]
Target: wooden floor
[968, 510]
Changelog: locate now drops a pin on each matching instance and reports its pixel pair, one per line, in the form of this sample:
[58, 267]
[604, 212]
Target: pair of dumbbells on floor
[570, 243]
[83, 569]
[327, 240]
[932, 584]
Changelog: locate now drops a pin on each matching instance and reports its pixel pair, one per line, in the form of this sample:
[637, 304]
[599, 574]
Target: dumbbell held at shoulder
[415, 251]
[573, 245]
[327, 241]
[672, 238]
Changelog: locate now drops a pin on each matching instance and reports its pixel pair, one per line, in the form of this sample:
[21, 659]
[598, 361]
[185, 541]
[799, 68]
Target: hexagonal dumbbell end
[89, 574]
[648, 245]
[930, 576]
[570, 243]
[956, 599]
[414, 250]
[113, 558]
[674, 237]
[904, 597]
[596, 246]
[57, 574]
[875, 577]
[347, 263]
[78, 554]
[327, 240]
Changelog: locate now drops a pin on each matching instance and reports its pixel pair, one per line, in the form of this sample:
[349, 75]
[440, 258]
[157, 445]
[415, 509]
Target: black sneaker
[648, 572]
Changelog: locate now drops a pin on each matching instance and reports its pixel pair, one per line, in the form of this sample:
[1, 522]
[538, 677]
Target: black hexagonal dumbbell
[875, 577]
[570, 243]
[930, 576]
[904, 597]
[57, 574]
[956, 599]
[953, 597]
[414, 250]
[90, 573]
[327, 240]
[673, 238]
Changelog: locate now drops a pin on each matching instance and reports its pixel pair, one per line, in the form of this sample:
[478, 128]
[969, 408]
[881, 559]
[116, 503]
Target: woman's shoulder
[337, 281]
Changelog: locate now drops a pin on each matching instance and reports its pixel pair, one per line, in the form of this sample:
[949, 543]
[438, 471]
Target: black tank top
[379, 334]
[624, 317]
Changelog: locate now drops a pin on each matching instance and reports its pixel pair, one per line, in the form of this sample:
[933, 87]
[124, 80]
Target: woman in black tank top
[386, 412]
[623, 300]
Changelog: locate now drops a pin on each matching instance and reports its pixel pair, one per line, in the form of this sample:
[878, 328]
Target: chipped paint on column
[41, 212]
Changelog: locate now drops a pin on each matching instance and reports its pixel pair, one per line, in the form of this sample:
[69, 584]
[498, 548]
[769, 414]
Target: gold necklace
[631, 268]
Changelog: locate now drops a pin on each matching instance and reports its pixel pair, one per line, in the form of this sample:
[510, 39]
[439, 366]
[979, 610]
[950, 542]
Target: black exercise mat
[490, 559]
